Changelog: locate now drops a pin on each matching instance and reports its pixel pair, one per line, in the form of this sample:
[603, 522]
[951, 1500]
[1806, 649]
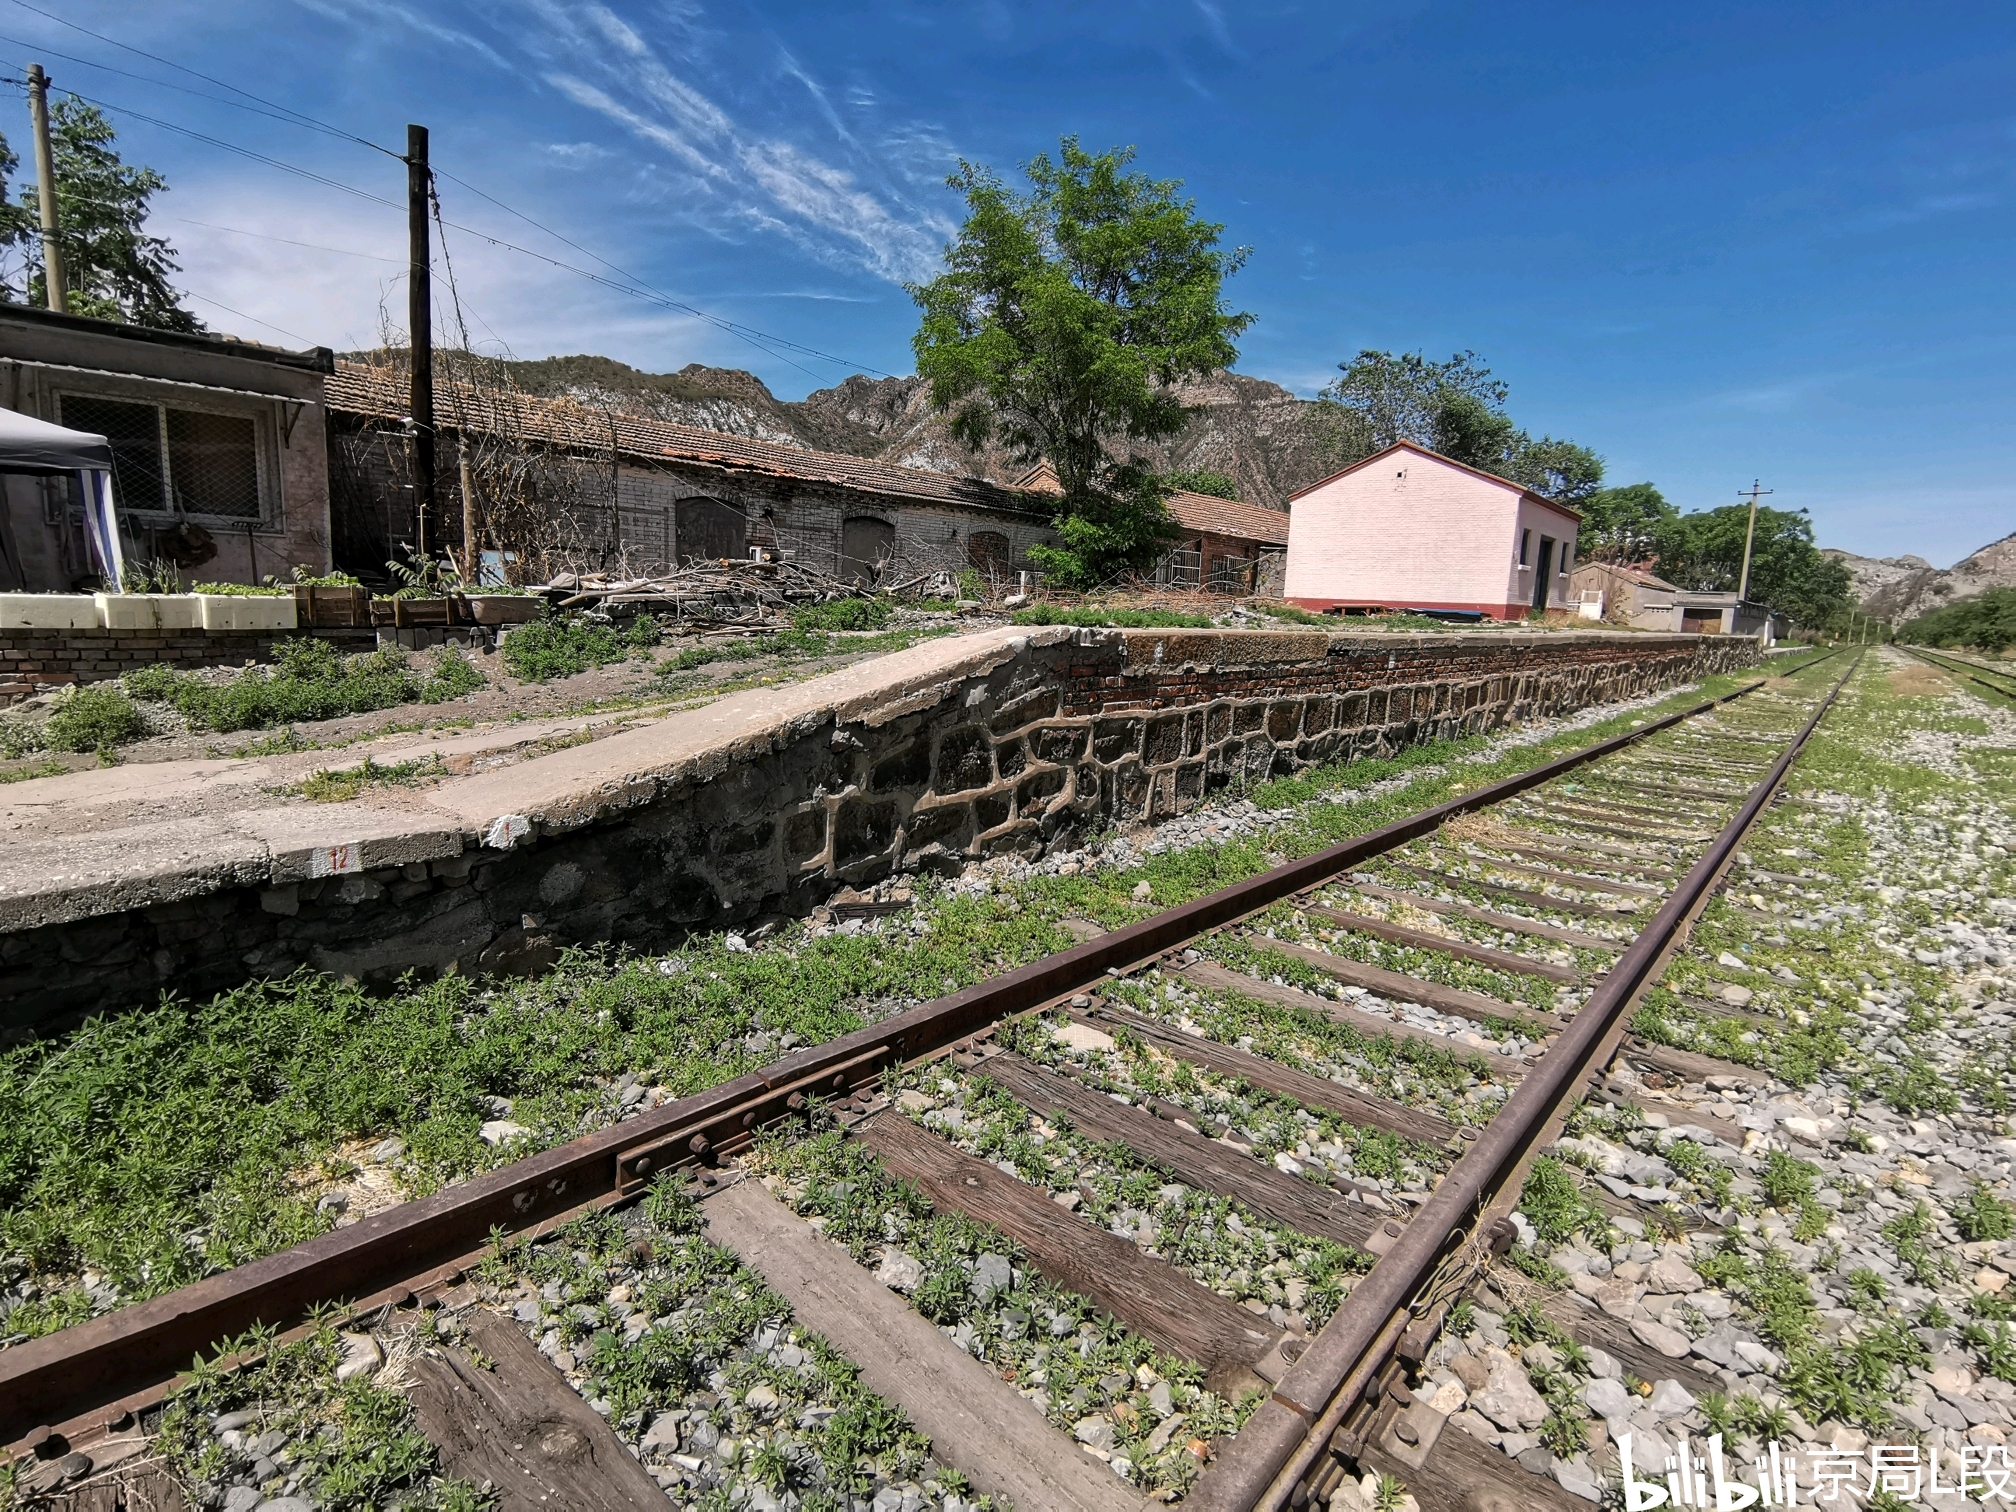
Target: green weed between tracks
[162, 1144]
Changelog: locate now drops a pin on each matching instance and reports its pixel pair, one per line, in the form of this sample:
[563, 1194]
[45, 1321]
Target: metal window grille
[1232, 575]
[175, 460]
[1182, 569]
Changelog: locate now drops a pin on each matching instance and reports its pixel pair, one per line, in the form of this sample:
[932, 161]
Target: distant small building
[1628, 595]
[1408, 528]
[220, 454]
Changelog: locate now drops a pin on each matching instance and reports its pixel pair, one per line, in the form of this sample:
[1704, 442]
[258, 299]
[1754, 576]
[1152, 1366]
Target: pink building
[1410, 529]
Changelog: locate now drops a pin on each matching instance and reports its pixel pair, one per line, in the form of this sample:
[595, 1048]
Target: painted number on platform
[334, 860]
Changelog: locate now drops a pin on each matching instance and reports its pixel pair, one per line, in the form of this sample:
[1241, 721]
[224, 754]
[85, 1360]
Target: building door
[1543, 575]
[707, 530]
[866, 543]
[987, 554]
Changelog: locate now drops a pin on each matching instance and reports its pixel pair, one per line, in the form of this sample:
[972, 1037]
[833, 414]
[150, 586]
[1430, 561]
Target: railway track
[2000, 683]
[1498, 942]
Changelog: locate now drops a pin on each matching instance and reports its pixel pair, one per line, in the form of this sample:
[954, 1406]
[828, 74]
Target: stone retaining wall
[764, 802]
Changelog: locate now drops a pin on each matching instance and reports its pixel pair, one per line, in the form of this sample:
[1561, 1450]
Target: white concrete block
[238, 611]
[148, 611]
[48, 611]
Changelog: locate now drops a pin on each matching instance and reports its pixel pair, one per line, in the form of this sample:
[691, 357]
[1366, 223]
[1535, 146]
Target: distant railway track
[1585, 874]
[2003, 684]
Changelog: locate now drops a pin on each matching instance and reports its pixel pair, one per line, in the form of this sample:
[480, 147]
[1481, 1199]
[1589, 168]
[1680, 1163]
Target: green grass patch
[310, 680]
[49, 768]
[95, 718]
[363, 1447]
[1111, 619]
[347, 782]
[844, 614]
[563, 646]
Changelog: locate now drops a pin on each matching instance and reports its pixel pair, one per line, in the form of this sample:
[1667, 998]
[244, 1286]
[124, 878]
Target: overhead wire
[625, 282]
[287, 111]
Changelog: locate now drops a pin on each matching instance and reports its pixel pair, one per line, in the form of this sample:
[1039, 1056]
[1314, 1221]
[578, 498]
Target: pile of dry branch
[724, 592]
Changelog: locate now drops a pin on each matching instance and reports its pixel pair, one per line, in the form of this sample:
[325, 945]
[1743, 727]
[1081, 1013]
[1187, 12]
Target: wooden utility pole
[420, 325]
[53, 284]
[471, 542]
[1749, 536]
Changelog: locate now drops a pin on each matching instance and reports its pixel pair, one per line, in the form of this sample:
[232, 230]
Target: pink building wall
[1410, 529]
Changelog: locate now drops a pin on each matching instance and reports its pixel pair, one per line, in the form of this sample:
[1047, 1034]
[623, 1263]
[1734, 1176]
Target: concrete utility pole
[1749, 536]
[420, 325]
[45, 189]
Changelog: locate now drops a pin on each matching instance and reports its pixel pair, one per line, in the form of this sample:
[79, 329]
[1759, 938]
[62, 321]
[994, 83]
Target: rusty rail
[1286, 1436]
[139, 1348]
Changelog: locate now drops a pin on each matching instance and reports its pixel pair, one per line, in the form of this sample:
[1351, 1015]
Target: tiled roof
[1203, 513]
[1228, 517]
[382, 394]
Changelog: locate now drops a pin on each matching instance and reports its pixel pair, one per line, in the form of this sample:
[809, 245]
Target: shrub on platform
[310, 680]
[92, 719]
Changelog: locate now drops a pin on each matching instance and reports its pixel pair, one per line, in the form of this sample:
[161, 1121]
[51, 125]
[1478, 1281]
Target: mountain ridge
[1269, 441]
[1900, 588]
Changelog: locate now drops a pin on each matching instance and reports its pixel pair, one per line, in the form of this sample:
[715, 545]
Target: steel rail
[1286, 1436]
[139, 1348]
[1955, 666]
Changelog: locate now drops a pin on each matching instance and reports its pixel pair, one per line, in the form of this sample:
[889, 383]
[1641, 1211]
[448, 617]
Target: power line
[632, 286]
[218, 303]
[288, 112]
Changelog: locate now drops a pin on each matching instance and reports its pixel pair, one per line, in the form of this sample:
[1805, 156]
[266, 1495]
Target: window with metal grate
[174, 461]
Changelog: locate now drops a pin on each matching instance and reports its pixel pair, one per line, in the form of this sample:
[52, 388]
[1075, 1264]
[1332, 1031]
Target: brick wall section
[1021, 749]
[33, 661]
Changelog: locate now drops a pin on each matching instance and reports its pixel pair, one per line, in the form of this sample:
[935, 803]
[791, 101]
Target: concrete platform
[195, 875]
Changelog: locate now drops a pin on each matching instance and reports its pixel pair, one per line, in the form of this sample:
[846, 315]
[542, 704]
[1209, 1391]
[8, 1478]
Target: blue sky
[1714, 242]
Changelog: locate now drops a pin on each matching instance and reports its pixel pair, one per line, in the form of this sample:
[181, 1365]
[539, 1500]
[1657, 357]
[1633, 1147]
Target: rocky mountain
[1900, 588]
[1266, 438]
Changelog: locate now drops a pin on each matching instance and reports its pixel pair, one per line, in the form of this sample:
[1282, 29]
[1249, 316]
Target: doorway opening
[1543, 575]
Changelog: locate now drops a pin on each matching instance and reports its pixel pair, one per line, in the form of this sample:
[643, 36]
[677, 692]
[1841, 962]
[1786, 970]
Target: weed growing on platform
[1112, 619]
[561, 647]
[310, 680]
[346, 783]
[92, 719]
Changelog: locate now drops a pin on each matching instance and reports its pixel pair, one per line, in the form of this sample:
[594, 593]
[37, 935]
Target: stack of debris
[727, 592]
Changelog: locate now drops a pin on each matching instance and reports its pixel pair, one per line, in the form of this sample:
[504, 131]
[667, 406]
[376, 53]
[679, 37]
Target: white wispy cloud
[846, 195]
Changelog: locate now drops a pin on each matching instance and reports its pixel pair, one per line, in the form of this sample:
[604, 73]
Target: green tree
[1204, 480]
[1704, 550]
[1402, 398]
[1557, 470]
[1458, 409]
[1623, 524]
[1985, 621]
[1062, 319]
[115, 270]
[1466, 429]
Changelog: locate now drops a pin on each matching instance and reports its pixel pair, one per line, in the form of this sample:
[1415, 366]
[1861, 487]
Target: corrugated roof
[382, 394]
